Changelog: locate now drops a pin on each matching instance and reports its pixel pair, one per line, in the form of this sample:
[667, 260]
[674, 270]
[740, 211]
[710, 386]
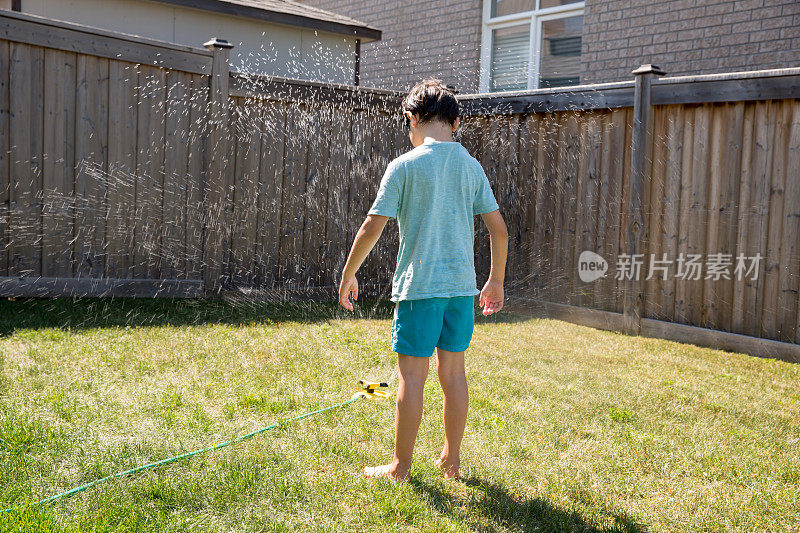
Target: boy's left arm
[368, 234]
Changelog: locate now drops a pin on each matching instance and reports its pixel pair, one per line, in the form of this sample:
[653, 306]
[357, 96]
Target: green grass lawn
[570, 428]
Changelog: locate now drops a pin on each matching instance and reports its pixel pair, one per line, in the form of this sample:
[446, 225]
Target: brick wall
[442, 38]
[436, 38]
[686, 37]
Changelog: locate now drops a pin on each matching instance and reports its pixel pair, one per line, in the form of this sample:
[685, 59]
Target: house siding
[684, 37]
[439, 38]
[259, 47]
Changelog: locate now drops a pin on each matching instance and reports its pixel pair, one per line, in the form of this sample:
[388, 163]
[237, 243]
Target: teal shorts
[419, 326]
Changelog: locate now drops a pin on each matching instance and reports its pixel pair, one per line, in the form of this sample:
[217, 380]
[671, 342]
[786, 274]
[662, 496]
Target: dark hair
[431, 99]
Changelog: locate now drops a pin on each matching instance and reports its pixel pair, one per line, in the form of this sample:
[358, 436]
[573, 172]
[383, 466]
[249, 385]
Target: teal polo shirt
[434, 191]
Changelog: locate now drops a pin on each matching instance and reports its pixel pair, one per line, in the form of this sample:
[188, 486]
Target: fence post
[636, 230]
[215, 164]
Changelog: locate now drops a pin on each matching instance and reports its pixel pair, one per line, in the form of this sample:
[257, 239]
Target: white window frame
[534, 18]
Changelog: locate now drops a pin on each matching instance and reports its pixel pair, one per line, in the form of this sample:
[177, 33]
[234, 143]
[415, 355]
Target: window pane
[560, 63]
[510, 52]
[554, 3]
[509, 7]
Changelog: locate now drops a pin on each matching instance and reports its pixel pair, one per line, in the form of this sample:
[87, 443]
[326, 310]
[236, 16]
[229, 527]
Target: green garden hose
[366, 393]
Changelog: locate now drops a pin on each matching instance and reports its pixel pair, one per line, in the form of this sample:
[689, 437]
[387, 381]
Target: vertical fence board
[245, 201]
[26, 86]
[271, 187]
[359, 198]
[609, 221]
[712, 219]
[790, 249]
[603, 214]
[195, 181]
[586, 202]
[316, 197]
[612, 199]
[339, 181]
[682, 292]
[595, 155]
[579, 293]
[292, 213]
[546, 187]
[698, 210]
[176, 170]
[770, 298]
[225, 223]
[149, 253]
[654, 218]
[558, 274]
[355, 200]
[759, 201]
[571, 214]
[123, 97]
[366, 194]
[622, 230]
[5, 151]
[526, 193]
[506, 155]
[58, 185]
[91, 153]
[251, 181]
[744, 214]
[561, 215]
[731, 157]
[672, 205]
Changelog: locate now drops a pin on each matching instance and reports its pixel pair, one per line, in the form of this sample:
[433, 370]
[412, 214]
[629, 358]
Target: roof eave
[365, 33]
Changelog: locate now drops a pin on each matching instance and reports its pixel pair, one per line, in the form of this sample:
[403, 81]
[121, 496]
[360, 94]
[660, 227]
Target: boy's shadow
[493, 507]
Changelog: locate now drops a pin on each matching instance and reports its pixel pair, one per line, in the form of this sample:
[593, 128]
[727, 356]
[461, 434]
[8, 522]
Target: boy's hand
[491, 297]
[348, 287]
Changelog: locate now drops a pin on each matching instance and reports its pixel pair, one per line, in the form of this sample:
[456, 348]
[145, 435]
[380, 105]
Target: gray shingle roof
[286, 12]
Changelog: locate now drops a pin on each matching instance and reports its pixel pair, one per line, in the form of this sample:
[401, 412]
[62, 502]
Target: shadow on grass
[503, 317]
[491, 506]
[91, 313]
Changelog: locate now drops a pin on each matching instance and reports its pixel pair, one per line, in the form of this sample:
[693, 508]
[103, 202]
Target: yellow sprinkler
[370, 389]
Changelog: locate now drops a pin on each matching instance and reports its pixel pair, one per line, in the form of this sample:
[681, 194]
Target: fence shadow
[91, 313]
[503, 510]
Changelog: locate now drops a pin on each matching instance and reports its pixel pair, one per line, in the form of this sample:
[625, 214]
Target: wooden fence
[176, 178]
[134, 167]
[722, 176]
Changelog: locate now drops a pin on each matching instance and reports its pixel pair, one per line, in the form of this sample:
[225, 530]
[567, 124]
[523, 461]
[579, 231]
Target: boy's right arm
[368, 234]
[492, 295]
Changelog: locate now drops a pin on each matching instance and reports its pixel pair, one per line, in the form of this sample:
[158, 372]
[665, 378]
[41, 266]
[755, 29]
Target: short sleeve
[387, 202]
[484, 197]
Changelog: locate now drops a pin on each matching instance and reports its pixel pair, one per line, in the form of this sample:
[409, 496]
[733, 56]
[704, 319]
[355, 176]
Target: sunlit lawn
[570, 428]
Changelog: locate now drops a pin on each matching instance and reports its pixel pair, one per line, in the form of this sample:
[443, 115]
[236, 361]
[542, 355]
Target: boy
[434, 191]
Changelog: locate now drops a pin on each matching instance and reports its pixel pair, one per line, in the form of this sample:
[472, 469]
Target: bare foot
[390, 471]
[449, 468]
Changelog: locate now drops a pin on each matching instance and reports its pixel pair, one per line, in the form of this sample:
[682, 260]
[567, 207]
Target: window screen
[560, 62]
[510, 54]
[509, 7]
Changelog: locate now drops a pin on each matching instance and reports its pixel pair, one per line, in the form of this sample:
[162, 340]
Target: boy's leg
[452, 377]
[412, 372]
